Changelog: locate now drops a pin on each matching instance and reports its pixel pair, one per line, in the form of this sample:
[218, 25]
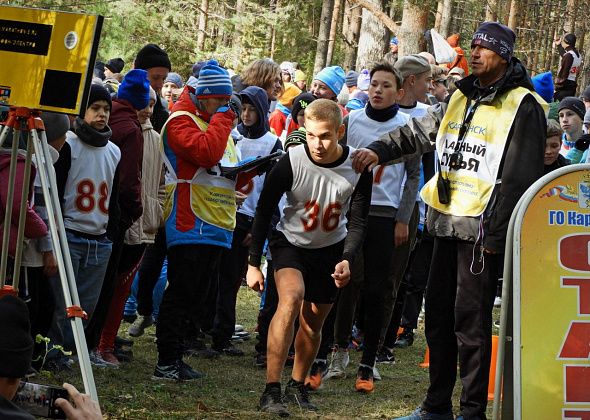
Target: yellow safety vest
[212, 196]
[471, 186]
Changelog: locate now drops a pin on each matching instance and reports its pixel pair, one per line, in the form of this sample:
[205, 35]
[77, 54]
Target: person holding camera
[490, 144]
[16, 352]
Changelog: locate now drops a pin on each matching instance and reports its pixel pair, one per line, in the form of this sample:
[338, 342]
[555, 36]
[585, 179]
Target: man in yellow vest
[490, 150]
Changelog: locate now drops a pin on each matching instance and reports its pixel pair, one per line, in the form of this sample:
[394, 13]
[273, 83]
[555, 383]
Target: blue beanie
[174, 78]
[354, 104]
[333, 77]
[135, 88]
[213, 82]
[544, 86]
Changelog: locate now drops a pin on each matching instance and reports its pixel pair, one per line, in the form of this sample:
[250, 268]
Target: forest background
[316, 33]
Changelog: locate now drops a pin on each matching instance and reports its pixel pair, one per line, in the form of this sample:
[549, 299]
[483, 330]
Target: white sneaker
[338, 364]
[376, 374]
[139, 325]
[498, 302]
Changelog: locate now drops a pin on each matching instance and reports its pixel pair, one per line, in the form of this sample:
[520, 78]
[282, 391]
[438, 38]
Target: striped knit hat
[295, 137]
[214, 81]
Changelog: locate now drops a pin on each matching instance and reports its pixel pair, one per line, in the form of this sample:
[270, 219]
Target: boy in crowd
[416, 74]
[279, 118]
[172, 88]
[553, 159]
[297, 117]
[254, 140]
[312, 248]
[328, 83]
[387, 229]
[571, 118]
[85, 173]
[200, 209]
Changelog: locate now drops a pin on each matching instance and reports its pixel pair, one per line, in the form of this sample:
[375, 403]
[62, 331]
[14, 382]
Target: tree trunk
[513, 16]
[438, 17]
[351, 31]
[373, 39]
[414, 23]
[377, 10]
[491, 10]
[202, 25]
[333, 29]
[571, 16]
[238, 38]
[322, 47]
[445, 19]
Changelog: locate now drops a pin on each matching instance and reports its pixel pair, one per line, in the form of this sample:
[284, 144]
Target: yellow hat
[299, 76]
[289, 93]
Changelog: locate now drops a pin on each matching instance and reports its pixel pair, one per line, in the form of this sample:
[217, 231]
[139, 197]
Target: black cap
[570, 39]
[97, 93]
[586, 93]
[301, 102]
[115, 65]
[573, 103]
[496, 37]
[152, 56]
[16, 343]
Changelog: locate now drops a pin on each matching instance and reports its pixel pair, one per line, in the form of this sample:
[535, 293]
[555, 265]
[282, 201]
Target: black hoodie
[255, 96]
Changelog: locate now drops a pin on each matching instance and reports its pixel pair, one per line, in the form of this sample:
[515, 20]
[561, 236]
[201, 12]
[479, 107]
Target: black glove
[583, 142]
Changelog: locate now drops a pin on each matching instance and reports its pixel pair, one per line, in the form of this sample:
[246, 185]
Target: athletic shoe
[405, 339]
[97, 361]
[271, 402]
[498, 302]
[296, 393]
[109, 357]
[238, 328]
[260, 360]
[421, 414]
[178, 371]
[123, 355]
[316, 373]
[338, 364]
[385, 356]
[204, 353]
[364, 380]
[139, 325]
[58, 364]
[123, 342]
[229, 350]
[376, 374]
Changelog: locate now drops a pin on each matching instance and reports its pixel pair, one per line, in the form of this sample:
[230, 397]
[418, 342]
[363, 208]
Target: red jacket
[127, 134]
[34, 225]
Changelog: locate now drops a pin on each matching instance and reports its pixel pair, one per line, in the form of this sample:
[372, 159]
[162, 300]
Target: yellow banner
[46, 58]
[555, 301]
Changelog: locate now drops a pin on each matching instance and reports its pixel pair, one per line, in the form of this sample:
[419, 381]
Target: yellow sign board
[555, 300]
[46, 58]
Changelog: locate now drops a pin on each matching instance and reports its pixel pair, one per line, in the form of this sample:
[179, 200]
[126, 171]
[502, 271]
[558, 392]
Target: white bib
[314, 215]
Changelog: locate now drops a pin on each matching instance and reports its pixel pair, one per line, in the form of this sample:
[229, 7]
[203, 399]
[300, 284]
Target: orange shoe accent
[492, 380]
[426, 362]
[364, 385]
[314, 382]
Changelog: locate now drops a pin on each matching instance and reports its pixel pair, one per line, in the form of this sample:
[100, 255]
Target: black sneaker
[178, 371]
[405, 339]
[272, 402]
[229, 350]
[123, 342]
[385, 356]
[297, 393]
[260, 360]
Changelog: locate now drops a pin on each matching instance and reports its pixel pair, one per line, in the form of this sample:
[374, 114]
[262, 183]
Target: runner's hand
[341, 274]
[255, 278]
[83, 408]
[364, 158]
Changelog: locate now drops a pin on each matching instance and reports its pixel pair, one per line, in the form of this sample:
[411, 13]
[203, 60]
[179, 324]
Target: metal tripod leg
[9, 200]
[62, 254]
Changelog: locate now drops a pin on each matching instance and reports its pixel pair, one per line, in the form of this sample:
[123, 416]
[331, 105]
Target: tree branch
[379, 14]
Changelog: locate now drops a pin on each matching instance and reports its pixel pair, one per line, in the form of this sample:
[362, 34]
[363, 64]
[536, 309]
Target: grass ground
[233, 386]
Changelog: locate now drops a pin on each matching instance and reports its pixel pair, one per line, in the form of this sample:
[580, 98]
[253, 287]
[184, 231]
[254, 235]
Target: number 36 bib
[315, 213]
